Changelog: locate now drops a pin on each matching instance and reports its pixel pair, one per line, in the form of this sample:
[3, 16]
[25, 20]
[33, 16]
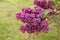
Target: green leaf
[54, 2]
[46, 12]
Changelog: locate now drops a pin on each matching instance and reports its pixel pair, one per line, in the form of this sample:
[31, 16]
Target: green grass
[9, 26]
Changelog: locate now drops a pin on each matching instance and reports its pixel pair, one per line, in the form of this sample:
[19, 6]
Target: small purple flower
[23, 28]
[18, 16]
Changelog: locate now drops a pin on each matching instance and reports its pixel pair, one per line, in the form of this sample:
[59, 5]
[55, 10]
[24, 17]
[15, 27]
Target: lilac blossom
[44, 4]
[42, 27]
[34, 19]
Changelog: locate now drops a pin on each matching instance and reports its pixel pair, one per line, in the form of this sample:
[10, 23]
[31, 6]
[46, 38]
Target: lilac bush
[34, 19]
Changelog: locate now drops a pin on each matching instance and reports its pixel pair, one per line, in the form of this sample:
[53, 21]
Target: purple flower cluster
[29, 28]
[29, 15]
[34, 19]
[47, 4]
[44, 4]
